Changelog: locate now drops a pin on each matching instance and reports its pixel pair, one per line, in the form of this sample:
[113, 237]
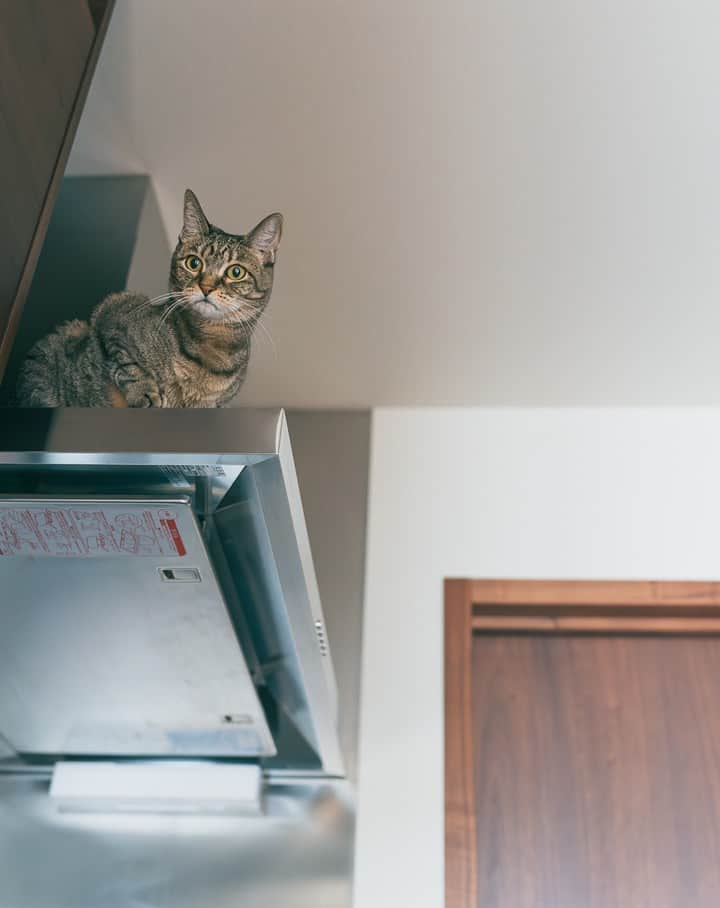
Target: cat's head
[223, 276]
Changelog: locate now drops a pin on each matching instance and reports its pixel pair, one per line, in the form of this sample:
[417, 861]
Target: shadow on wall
[105, 235]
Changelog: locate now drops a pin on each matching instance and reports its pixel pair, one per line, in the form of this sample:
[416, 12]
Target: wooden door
[582, 745]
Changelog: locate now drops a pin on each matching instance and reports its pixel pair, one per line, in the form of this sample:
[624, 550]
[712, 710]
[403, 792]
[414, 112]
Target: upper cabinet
[48, 52]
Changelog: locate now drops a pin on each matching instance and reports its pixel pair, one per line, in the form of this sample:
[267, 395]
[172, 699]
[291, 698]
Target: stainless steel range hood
[157, 592]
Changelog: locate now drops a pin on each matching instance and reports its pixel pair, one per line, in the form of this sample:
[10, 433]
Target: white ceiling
[486, 201]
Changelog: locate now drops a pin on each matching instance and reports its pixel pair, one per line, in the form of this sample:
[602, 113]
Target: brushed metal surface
[332, 457]
[299, 855]
[137, 436]
[131, 450]
[100, 654]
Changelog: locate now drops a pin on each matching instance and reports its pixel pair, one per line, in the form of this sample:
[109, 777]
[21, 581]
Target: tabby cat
[187, 348]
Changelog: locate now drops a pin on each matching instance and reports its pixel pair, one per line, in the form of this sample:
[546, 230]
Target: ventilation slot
[322, 640]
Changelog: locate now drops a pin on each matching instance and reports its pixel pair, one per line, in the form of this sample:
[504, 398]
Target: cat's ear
[266, 236]
[194, 221]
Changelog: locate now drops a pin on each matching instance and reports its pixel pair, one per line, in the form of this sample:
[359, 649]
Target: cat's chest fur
[210, 365]
[191, 385]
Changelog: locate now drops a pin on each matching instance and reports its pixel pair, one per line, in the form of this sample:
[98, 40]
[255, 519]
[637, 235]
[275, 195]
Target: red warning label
[89, 532]
[172, 528]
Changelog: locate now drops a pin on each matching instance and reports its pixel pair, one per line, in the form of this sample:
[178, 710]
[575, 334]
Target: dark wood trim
[460, 836]
[547, 606]
[101, 17]
[610, 624]
[582, 593]
[631, 606]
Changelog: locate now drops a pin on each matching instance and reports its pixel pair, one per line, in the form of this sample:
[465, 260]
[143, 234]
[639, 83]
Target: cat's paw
[152, 399]
[144, 397]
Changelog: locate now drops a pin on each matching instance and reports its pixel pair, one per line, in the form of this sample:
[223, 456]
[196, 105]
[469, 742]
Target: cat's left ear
[194, 221]
[266, 236]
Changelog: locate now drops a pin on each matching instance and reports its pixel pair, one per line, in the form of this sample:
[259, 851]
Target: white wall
[487, 201]
[500, 493]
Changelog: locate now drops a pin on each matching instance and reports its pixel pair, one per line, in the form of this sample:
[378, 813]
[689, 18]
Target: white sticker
[89, 531]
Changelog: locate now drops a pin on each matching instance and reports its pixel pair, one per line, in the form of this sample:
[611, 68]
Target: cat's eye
[236, 273]
[193, 263]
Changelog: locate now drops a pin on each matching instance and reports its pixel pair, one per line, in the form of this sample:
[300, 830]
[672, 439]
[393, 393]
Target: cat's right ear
[194, 221]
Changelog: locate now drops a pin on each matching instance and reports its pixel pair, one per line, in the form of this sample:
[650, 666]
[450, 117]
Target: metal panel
[142, 452]
[138, 437]
[299, 855]
[102, 650]
[331, 450]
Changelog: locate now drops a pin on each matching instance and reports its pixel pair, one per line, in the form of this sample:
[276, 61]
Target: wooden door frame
[538, 606]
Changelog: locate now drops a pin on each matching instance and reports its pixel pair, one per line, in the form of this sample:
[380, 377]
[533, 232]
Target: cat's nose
[207, 288]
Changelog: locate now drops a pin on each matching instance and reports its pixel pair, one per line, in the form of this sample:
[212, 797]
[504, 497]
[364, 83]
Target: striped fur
[188, 349]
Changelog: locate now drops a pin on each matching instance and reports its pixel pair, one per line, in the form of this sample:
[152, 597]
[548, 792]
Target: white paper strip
[157, 787]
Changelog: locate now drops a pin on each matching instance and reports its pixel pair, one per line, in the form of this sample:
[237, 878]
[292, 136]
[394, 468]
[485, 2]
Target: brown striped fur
[188, 348]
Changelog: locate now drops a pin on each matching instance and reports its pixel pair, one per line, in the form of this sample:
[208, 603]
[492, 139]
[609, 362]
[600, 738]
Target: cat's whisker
[268, 335]
[246, 330]
[149, 303]
[167, 313]
[178, 304]
[249, 320]
[248, 333]
[162, 296]
[165, 297]
[170, 309]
